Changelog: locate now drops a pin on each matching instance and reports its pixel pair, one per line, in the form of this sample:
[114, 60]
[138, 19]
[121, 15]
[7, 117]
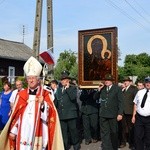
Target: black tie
[144, 99]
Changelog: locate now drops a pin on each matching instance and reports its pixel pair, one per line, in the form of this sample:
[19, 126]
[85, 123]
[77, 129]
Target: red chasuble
[55, 141]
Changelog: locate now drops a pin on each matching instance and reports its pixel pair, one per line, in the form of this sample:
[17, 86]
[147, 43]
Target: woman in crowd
[5, 104]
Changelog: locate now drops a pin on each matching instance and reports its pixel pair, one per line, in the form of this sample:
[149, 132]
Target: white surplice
[28, 125]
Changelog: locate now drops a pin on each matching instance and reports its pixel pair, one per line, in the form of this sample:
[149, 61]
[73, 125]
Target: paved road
[96, 146]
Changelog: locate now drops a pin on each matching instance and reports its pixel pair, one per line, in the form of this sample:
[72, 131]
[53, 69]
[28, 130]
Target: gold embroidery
[37, 143]
[52, 119]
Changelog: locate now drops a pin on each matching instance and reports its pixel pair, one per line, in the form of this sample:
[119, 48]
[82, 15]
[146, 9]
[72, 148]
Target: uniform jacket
[128, 97]
[66, 102]
[111, 103]
[89, 105]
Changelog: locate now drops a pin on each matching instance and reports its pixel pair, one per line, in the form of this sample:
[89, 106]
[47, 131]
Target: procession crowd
[59, 114]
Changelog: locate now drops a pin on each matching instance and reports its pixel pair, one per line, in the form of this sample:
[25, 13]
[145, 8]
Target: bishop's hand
[40, 99]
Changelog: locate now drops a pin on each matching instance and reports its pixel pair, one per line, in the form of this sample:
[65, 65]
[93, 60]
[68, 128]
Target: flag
[47, 57]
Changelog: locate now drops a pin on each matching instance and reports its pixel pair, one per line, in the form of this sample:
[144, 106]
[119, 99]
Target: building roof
[14, 50]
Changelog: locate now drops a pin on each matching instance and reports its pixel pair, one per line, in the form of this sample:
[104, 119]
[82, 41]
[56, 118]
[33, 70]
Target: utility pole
[50, 31]
[23, 33]
[37, 29]
[49, 25]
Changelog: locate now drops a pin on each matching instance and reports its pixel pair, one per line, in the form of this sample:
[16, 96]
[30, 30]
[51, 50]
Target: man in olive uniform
[89, 109]
[66, 104]
[111, 110]
[129, 93]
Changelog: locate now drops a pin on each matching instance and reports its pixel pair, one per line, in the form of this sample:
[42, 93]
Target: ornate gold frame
[97, 56]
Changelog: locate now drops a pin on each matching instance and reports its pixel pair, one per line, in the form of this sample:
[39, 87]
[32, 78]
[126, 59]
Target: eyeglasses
[31, 78]
[18, 84]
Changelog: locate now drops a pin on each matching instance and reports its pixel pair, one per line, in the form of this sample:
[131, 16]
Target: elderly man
[34, 122]
[141, 117]
[19, 87]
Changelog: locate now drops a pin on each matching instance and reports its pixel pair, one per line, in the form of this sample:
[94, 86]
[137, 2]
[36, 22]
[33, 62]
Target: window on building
[11, 74]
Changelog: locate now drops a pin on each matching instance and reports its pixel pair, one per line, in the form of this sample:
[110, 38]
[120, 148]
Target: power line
[146, 12]
[137, 11]
[126, 14]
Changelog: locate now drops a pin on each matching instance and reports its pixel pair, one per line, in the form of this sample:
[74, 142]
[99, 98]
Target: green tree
[143, 59]
[67, 61]
[135, 65]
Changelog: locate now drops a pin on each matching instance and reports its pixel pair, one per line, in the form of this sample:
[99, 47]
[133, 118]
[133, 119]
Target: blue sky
[132, 17]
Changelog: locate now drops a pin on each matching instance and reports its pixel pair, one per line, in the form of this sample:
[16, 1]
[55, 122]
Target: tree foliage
[135, 65]
[67, 61]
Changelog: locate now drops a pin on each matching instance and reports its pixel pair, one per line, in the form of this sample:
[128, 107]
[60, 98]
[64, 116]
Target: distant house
[13, 55]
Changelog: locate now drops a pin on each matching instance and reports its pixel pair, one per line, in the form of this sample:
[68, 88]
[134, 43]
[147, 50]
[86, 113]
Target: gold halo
[104, 42]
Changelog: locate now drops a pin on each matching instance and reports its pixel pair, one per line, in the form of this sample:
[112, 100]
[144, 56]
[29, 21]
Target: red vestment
[55, 141]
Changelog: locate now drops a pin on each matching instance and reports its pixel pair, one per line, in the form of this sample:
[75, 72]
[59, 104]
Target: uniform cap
[127, 79]
[65, 75]
[147, 79]
[109, 77]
